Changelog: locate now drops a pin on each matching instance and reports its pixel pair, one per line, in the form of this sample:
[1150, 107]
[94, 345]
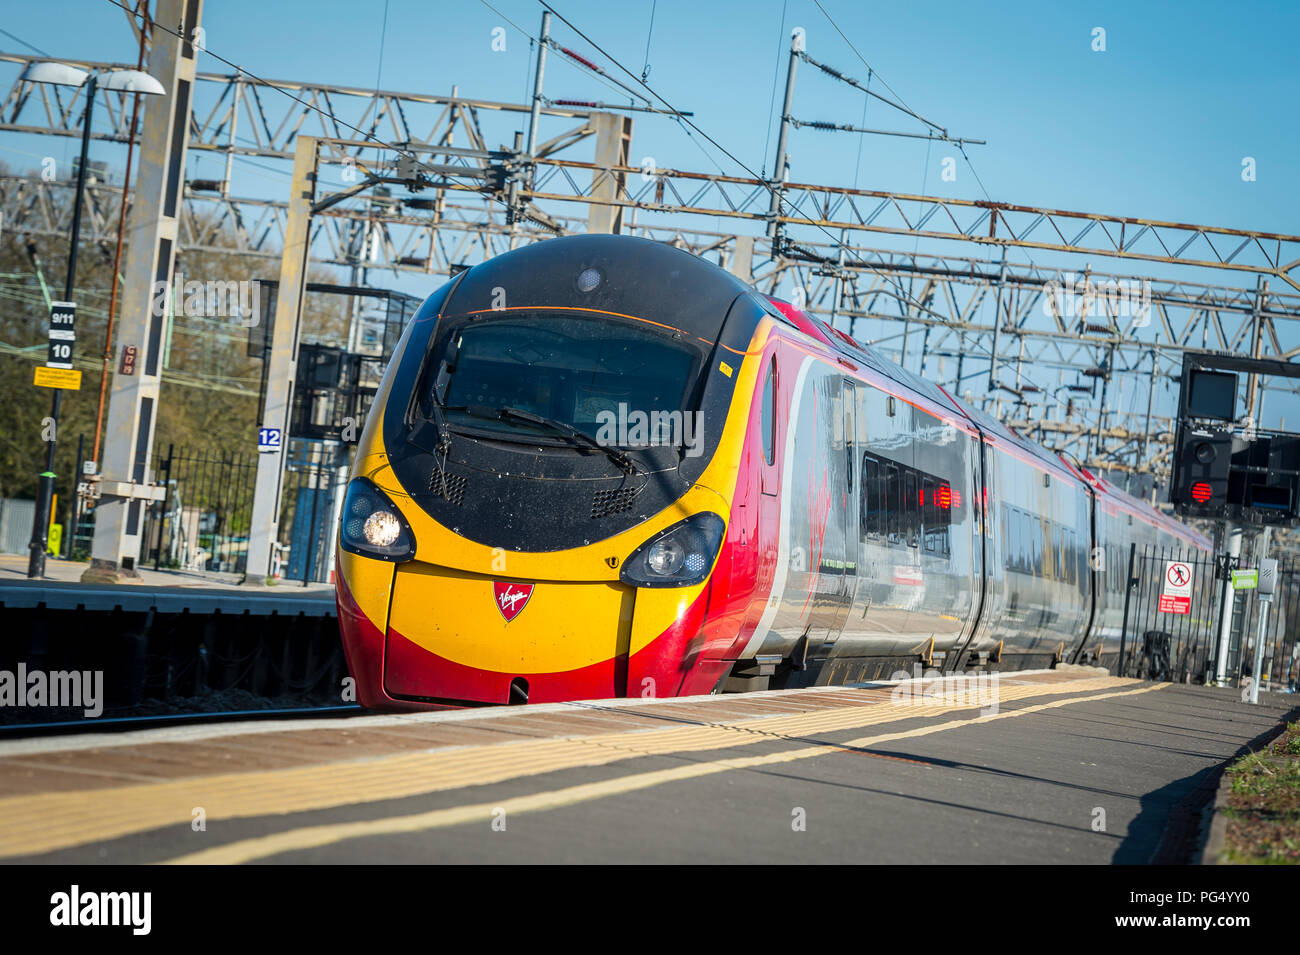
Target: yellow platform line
[44, 822]
[312, 837]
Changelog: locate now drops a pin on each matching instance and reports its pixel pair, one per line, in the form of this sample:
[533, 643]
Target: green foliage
[210, 386]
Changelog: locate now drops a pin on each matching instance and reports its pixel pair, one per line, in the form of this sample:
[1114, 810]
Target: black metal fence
[1160, 644]
[312, 490]
[1163, 638]
[202, 524]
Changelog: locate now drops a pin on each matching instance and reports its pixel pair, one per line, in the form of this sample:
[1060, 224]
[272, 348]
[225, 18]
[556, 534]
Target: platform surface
[1065, 768]
[166, 591]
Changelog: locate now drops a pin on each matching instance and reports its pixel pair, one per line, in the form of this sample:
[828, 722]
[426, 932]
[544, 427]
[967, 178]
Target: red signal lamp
[1201, 492]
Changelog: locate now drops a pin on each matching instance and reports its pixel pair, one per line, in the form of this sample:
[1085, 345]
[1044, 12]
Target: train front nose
[461, 637]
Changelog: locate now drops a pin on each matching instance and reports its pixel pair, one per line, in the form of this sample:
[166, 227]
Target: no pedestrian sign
[1177, 594]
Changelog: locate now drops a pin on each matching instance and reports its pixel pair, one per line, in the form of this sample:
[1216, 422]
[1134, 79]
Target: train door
[845, 501]
[996, 543]
[869, 480]
[973, 574]
[769, 469]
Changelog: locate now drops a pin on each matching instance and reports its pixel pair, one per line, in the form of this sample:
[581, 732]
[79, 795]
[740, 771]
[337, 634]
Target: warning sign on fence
[1177, 594]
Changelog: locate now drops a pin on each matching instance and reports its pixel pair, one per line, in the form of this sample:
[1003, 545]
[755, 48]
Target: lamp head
[130, 81]
[60, 74]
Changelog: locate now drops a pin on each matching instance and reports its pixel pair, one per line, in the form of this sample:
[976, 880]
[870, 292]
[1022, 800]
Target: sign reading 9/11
[1176, 597]
[63, 334]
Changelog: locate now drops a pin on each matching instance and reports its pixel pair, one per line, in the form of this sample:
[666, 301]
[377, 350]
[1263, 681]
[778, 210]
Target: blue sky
[1155, 126]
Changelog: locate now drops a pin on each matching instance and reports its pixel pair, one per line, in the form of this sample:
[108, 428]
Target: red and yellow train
[598, 466]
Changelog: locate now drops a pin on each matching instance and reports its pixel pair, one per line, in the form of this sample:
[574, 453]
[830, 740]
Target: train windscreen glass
[609, 379]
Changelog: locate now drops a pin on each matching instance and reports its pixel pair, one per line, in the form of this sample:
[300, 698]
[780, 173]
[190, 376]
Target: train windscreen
[611, 380]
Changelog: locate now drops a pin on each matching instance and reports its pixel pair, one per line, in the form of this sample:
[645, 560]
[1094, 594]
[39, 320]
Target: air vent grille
[450, 487]
[617, 501]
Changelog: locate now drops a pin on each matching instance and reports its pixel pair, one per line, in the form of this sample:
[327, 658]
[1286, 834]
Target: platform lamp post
[62, 74]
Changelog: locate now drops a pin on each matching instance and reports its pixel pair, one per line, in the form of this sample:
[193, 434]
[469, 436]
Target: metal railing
[1166, 639]
[202, 523]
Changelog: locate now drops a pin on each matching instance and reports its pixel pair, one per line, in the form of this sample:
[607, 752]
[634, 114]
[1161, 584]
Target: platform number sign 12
[268, 439]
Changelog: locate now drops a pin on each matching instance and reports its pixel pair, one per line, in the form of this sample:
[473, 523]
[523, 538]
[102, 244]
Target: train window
[769, 414]
[873, 493]
[1010, 537]
[1006, 549]
[1022, 539]
[1064, 561]
[1062, 557]
[1074, 558]
[1049, 549]
[893, 499]
[928, 515]
[1057, 551]
[1025, 542]
[912, 507]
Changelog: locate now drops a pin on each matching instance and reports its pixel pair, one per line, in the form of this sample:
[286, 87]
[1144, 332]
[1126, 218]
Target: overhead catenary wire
[776, 77]
[380, 143]
[960, 144]
[575, 61]
[838, 243]
[645, 70]
[836, 74]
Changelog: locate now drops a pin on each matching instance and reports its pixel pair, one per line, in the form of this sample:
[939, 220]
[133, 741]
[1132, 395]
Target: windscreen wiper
[580, 437]
[441, 435]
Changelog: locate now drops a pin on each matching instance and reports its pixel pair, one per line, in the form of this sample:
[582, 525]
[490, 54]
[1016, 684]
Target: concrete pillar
[613, 139]
[146, 296]
[742, 259]
[283, 362]
[1232, 533]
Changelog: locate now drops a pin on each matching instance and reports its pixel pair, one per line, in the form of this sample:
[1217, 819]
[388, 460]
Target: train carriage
[599, 466]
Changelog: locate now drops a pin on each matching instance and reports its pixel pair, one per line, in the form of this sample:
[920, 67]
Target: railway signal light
[1200, 483]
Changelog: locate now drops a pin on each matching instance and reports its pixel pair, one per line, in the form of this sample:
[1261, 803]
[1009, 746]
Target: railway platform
[1036, 767]
[171, 642]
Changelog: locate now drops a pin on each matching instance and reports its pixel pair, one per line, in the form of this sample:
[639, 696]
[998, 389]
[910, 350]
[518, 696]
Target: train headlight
[665, 557]
[381, 529]
[679, 556]
[372, 526]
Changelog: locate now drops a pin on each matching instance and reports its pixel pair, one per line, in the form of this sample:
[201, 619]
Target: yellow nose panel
[560, 626]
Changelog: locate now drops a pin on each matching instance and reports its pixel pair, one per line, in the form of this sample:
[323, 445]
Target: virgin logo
[511, 598]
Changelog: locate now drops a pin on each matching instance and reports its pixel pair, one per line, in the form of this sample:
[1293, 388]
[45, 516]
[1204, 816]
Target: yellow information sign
[67, 378]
